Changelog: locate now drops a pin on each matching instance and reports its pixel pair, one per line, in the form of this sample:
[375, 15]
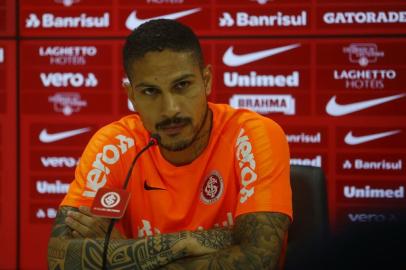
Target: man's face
[169, 91]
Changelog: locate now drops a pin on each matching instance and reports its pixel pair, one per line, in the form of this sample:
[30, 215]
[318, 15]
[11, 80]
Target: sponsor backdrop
[331, 72]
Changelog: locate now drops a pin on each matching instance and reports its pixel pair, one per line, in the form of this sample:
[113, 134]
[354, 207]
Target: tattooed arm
[67, 251]
[258, 237]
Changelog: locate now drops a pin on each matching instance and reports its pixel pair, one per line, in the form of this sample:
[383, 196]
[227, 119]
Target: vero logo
[59, 79]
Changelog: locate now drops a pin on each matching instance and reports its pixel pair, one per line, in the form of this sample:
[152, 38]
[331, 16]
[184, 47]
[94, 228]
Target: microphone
[153, 140]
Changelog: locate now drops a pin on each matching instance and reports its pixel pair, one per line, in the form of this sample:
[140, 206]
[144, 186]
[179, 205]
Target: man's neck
[186, 156]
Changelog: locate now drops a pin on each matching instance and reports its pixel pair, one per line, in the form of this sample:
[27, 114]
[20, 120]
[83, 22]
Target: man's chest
[195, 199]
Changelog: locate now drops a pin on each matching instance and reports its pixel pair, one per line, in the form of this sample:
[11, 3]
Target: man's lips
[173, 128]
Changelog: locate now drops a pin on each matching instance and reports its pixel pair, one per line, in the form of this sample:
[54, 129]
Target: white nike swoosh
[133, 22]
[335, 109]
[45, 137]
[353, 140]
[233, 60]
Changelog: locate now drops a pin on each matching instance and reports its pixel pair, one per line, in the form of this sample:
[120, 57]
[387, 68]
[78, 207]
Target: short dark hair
[158, 35]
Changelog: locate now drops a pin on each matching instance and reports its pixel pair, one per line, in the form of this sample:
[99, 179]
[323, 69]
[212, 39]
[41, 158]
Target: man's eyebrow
[145, 85]
[182, 77]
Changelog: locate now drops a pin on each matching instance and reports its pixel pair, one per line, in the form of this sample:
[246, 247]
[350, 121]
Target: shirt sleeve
[263, 169]
[101, 165]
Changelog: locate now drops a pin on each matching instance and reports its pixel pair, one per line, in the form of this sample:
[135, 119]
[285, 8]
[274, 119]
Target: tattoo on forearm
[257, 244]
[217, 238]
[64, 252]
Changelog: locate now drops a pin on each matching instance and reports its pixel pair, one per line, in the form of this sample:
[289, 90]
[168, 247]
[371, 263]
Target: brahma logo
[278, 19]
[212, 188]
[49, 20]
[58, 187]
[364, 17]
[68, 79]
[67, 103]
[68, 55]
[246, 161]
[110, 154]
[67, 3]
[265, 104]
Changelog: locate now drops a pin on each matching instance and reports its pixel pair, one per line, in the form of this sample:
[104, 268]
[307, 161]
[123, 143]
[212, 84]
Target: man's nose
[170, 105]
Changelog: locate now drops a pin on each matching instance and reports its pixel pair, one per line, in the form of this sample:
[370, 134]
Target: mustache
[173, 121]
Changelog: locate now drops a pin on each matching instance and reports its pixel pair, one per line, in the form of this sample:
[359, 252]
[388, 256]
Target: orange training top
[244, 168]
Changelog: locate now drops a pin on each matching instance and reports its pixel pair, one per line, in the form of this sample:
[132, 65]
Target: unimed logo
[47, 187]
[374, 193]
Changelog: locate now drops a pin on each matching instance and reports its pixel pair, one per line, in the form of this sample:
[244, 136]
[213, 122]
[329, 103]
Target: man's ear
[130, 92]
[207, 79]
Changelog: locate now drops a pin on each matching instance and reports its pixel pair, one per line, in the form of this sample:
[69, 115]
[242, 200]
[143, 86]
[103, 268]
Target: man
[215, 194]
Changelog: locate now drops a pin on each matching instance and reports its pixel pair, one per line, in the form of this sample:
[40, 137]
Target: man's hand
[85, 225]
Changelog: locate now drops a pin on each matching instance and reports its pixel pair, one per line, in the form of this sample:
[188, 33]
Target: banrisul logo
[49, 20]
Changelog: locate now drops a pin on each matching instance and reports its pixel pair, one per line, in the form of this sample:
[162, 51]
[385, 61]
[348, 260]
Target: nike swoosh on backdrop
[233, 60]
[335, 109]
[133, 22]
[45, 137]
[354, 140]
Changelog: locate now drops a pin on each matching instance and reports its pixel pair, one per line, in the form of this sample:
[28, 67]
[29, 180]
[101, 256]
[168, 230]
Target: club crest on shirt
[212, 188]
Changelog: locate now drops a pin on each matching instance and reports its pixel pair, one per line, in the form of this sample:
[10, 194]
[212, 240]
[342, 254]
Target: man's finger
[83, 219]
[75, 234]
[80, 228]
[85, 210]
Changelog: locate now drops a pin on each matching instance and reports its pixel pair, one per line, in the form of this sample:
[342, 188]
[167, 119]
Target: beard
[183, 143]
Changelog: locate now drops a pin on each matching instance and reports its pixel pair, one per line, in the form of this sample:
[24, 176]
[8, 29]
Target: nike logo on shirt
[46, 137]
[354, 140]
[233, 60]
[147, 187]
[335, 109]
[133, 22]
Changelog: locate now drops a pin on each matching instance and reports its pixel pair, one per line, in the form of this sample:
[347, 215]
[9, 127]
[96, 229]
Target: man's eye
[149, 91]
[182, 85]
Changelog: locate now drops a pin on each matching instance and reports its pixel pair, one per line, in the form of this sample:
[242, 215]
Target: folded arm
[259, 238]
[69, 251]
